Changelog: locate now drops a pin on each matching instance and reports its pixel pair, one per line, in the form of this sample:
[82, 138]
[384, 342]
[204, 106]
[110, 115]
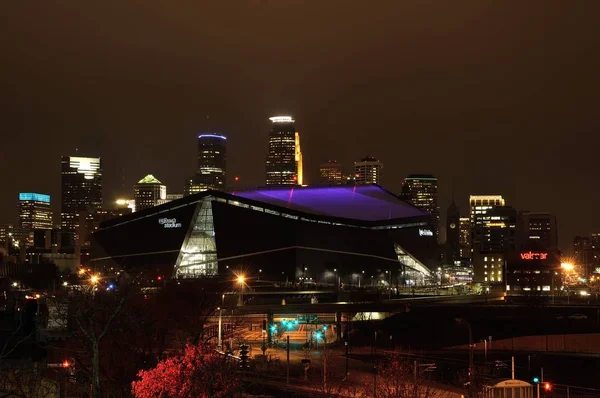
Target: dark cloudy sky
[490, 96]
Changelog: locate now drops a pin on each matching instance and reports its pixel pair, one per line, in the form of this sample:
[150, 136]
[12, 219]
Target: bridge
[391, 306]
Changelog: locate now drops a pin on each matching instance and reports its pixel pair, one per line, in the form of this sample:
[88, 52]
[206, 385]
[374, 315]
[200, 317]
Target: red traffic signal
[547, 387]
[66, 364]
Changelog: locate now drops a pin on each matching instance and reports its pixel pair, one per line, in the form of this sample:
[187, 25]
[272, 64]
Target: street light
[567, 266]
[241, 280]
[94, 279]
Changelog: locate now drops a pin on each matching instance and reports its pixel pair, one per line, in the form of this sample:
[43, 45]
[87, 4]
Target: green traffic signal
[536, 380]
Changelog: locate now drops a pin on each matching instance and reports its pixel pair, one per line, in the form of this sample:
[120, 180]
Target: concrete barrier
[588, 343]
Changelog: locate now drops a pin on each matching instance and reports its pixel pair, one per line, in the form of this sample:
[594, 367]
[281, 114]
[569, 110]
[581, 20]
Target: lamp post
[94, 279]
[471, 370]
[241, 281]
[219, 341]
[389, 284]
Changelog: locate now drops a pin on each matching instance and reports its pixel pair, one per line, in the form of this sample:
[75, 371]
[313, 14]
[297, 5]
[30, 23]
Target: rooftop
[281, 119]
[149, 179]
[360, 202]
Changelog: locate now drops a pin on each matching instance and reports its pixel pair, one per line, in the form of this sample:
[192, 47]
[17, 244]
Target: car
[577, 316]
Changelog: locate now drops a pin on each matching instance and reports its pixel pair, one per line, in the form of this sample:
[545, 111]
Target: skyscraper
[81, 189]
[284, 161]
[212, 163]
[493, 236]
[465, 238]
[330, 173]
[148, 192]
[368, 171]
[34, 211]
[453, 232]
[423, 191]
[540, 228]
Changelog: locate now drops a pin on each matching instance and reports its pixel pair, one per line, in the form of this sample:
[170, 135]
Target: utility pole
[288, 360]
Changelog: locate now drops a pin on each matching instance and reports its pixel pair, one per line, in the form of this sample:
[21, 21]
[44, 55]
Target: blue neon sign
[38, 197]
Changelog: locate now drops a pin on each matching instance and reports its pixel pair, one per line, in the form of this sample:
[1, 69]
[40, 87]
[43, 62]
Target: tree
[198, 372]
[395, 379]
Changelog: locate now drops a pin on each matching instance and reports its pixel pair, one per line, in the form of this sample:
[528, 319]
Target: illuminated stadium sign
[169, 223]
[534, 255]
[425, 232]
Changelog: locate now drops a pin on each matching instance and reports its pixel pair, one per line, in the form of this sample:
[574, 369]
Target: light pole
[389, 284]
[219, 341]
[471, 370]
[241, 281]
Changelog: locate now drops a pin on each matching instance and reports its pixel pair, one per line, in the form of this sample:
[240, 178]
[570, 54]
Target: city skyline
[453, 93]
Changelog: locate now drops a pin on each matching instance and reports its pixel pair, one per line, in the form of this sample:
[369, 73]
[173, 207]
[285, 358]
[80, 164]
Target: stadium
[284, 234]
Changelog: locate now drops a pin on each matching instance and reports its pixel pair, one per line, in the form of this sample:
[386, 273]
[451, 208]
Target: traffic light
[324, 327]
[273, 328]
[244, 364]
[264, 325]
[547, 387]
[536, 380]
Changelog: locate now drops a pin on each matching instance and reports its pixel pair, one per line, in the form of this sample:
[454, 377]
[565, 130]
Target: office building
[465, 238]
[479, 205]
[533, 270]
[586, 253]
[493, 237]
[330, 173]
[34, 211]
[291, 233]
[148, 192]
[453, 233]
[368, 171]
[284, 161]
[539, 228]
[423, 192]
[81, 190]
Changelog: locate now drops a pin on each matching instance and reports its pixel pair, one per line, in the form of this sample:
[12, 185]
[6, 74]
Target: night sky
[493, 97]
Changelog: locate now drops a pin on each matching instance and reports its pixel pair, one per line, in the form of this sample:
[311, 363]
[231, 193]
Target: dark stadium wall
[240, 232]
[151, 242]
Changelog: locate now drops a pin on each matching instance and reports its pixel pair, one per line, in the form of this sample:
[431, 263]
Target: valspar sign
[425, 232]
[169, 222]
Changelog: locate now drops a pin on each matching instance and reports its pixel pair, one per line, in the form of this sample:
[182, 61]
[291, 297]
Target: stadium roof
[360, 202]
[368, 205]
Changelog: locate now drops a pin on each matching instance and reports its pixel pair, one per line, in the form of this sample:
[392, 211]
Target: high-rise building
[453, 232]
[493, 237]
[465, 238]
[586, 253]
[479, 205]
[368, 171]
[423, 192]
[330, 173]
[34, 211]
[148, 192]
[284, 161]
[81, 189]
[539, 228]
[212, 165]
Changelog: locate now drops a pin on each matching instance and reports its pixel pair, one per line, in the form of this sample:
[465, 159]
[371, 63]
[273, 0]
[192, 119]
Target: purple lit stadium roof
[361, 202]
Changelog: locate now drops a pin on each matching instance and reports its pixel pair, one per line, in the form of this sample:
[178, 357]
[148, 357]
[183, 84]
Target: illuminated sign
[425, 232]
[169, 223]
[38, 197]
[534, 255]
